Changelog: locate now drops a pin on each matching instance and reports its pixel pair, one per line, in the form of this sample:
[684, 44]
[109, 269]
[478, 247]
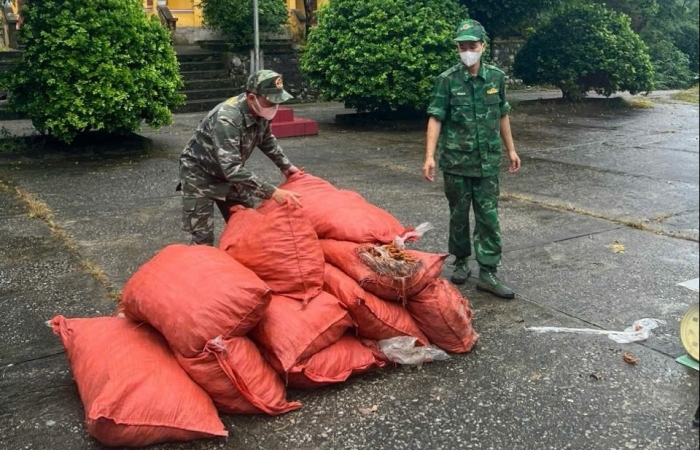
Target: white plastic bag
[639, 331]
[403, 350]
[417, 233]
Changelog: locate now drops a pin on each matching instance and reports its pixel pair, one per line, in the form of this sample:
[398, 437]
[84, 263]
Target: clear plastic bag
[417, 233]
[639, 331]
[402, 350]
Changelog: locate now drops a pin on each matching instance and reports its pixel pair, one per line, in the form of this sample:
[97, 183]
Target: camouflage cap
[470, 30]
[269, 85]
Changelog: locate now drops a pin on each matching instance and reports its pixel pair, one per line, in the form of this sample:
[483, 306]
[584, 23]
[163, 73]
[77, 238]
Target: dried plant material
[390, 260]
[617, 247]
[368, 411]
[629, 359]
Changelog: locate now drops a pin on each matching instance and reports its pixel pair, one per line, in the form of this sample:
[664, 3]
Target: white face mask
[470, 58]
[266, 113]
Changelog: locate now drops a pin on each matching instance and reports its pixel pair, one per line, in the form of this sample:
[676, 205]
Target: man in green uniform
[212, 165]
[469, 123]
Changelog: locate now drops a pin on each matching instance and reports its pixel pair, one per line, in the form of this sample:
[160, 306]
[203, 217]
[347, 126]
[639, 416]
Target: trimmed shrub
[234, 18]
[94, 65]
[381, 55]
[586, 48]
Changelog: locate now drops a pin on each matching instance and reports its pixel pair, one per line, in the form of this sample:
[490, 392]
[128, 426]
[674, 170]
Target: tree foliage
[586, 48]
[380, 55]
[94, 65]
[506, 18]
[234, 18]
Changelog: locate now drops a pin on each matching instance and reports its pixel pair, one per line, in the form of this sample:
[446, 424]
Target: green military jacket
[470, 109]
[214, 158]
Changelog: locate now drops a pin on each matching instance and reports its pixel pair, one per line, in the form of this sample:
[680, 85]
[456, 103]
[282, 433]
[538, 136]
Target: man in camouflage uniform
[212, 165]
[468, 120]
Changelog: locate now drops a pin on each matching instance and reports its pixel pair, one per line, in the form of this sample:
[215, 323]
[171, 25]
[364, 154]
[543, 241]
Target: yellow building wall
[189, 15]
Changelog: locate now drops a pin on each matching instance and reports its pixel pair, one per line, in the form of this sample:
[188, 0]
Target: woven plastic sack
[133, 390]
[339, 214]
[281, 248]
[444, 315]
[336, 363]
[376, 319]
[238, 379]
[346, 256]
[192, 294]
[290, 332]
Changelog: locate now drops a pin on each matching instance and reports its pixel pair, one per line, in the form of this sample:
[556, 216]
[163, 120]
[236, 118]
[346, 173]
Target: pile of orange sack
[300, 297]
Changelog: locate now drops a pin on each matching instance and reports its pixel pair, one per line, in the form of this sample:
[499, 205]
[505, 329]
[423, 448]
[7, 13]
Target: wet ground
[596, 180]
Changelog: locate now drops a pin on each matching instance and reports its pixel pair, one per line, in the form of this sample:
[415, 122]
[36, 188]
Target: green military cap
[470, 30]
[268, 84]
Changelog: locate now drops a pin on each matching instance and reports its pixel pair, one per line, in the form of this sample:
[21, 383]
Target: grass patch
[639, 103]
[690, 95]
[38, 209]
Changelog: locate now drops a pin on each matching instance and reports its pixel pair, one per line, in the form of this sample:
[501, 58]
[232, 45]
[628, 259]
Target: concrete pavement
[592, 177]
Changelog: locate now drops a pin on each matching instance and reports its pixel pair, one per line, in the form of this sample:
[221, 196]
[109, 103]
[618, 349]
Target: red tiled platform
[284, 124]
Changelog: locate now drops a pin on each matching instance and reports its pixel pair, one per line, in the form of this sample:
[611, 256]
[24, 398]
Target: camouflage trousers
[482, 193]
[198, 202]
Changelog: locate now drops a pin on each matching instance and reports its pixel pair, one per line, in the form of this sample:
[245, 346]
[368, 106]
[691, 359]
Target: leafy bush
[94, 65]
[671, 66]
[381, 55]
[586, 48]
[234, 18]
[687, 39]
[504, 18]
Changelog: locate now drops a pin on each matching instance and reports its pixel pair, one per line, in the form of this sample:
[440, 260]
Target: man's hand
[291, 171]
[282, 196]
[514, 161]
[429, 169]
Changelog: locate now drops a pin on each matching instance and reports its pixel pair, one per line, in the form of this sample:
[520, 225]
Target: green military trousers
[483, 193]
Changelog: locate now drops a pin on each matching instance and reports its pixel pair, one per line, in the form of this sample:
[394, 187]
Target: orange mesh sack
[238, 379]
[290, 332]
[336, 363]
[444, 316]
[133, 390]
[339, 214]
[192, 294]
[376, 319]
[281, 248]
[348, 257]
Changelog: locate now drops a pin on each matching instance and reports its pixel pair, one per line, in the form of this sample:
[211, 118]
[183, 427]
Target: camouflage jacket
[215, 157]
[470, 109]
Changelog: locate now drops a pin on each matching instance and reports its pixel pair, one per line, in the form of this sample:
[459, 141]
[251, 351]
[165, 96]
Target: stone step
[195, 54]
[297, 127]
[204, 75]
[199, 66]
[202, 105]
[202, 94]
[10, 55]
[194, 85]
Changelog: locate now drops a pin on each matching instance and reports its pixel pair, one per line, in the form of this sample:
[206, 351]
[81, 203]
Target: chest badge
[492, 91]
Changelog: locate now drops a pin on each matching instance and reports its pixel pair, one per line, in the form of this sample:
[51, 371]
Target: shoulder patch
[492, 67]
[451, 70]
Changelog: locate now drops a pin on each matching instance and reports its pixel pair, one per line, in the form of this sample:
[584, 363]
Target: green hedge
[586, 48]
[381, 55]
[94, 65]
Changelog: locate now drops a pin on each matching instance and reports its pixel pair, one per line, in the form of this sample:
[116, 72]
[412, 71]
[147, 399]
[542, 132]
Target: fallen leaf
[629, 359]
[617, 247]
[368, 411]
